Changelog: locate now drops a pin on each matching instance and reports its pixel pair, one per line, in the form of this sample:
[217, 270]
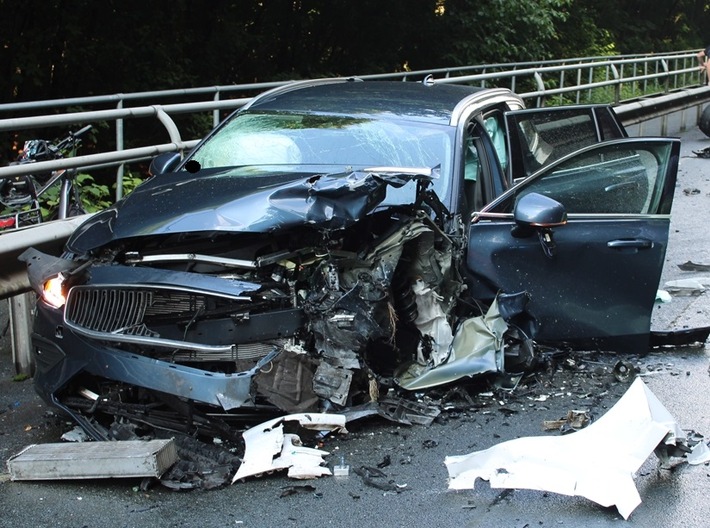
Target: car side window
[547, 136]
[614, 178]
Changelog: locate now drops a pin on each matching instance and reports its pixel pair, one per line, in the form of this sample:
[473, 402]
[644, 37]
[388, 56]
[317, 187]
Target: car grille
[109, 310]
[126, 310]
[140, 315]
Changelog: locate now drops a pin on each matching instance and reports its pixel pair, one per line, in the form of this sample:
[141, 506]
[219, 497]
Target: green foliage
[131, 180]
[94, 196]
[640, 26]
[49, 201]
[499, 31]
[49, 51]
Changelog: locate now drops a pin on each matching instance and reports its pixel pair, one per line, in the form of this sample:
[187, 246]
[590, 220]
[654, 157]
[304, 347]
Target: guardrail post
[617, 86]
[541, 88]
[215, 113]
[119, 146]
[667, 78]
[20, 309]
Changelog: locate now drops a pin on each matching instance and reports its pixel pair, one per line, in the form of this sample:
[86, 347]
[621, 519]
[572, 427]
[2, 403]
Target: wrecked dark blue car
[342, 244]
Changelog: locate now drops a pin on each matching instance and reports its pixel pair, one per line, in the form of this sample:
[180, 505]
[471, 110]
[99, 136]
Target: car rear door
[539, 136]
[593, 281]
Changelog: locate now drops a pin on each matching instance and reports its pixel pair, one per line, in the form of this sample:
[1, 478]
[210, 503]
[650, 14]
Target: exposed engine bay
[219, 325]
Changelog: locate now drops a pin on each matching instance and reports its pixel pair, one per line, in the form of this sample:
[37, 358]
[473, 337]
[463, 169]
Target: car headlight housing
[54, 291]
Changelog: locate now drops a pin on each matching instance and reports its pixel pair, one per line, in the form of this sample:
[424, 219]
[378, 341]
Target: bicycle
[22, 197]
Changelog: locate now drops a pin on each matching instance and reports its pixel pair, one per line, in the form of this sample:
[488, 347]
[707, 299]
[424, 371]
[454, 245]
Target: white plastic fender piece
[597, 462]
[268, 449]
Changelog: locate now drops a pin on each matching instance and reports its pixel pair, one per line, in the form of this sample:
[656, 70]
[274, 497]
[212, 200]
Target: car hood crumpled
[226, 200]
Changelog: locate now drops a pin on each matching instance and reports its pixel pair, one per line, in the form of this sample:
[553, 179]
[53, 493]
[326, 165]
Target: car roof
[380, 99]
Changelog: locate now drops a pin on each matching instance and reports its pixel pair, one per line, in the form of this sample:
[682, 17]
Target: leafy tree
[498, 31]
[65, 48]
[641, 26]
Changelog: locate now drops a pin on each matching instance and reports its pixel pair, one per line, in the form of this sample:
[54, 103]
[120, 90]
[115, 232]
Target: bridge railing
[600, 79]
[660, 86]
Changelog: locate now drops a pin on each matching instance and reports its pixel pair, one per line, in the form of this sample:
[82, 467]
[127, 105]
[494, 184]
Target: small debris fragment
[386, 461]
[375, 478]
[294, 490]
[685, 337]
[694, 286]
[269, 448]
[624, 370]
[77, 434]
[575, 419]
[663, 296]
[693, 266]
[342, 469]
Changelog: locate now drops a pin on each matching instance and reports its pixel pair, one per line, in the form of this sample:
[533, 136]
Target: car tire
[704, 122]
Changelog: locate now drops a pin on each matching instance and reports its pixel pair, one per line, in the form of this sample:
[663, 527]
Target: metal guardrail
[679, 90]
[577, 80]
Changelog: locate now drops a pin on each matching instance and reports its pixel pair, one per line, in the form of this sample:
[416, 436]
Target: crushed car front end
[182, 330]
[301, 258]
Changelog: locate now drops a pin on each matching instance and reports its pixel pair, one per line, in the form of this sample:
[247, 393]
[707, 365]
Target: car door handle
[630, 243]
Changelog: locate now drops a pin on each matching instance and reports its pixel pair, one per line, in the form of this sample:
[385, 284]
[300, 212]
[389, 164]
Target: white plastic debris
[268, 448]
[77, 434]
[598, 462]
[342, 469]
[700, 454]
[663, 296]
[694, 286]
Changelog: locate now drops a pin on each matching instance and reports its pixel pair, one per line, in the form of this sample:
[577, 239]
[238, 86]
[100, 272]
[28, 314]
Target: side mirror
[535, 213]
[536, 210]
[166, 162]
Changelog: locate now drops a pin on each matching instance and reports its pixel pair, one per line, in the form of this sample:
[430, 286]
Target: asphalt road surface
[411, 459]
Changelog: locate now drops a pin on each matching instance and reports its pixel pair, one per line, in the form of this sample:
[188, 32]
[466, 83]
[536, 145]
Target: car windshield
[292, 141]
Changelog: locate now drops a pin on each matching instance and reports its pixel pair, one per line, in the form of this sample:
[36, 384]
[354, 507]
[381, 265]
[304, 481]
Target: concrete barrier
[665, 115]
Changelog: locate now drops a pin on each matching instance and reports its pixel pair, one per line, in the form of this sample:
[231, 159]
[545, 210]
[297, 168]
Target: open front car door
[586, 237]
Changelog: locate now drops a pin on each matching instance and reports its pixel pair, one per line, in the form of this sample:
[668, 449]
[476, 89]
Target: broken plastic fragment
[575, 419]
[268, 449]
[597, 462]
[676, 338]
[342, 469]
[694, 286]
[702, 153]
[694, 266]
[663, 296]
[699, 454]
[76, 434]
